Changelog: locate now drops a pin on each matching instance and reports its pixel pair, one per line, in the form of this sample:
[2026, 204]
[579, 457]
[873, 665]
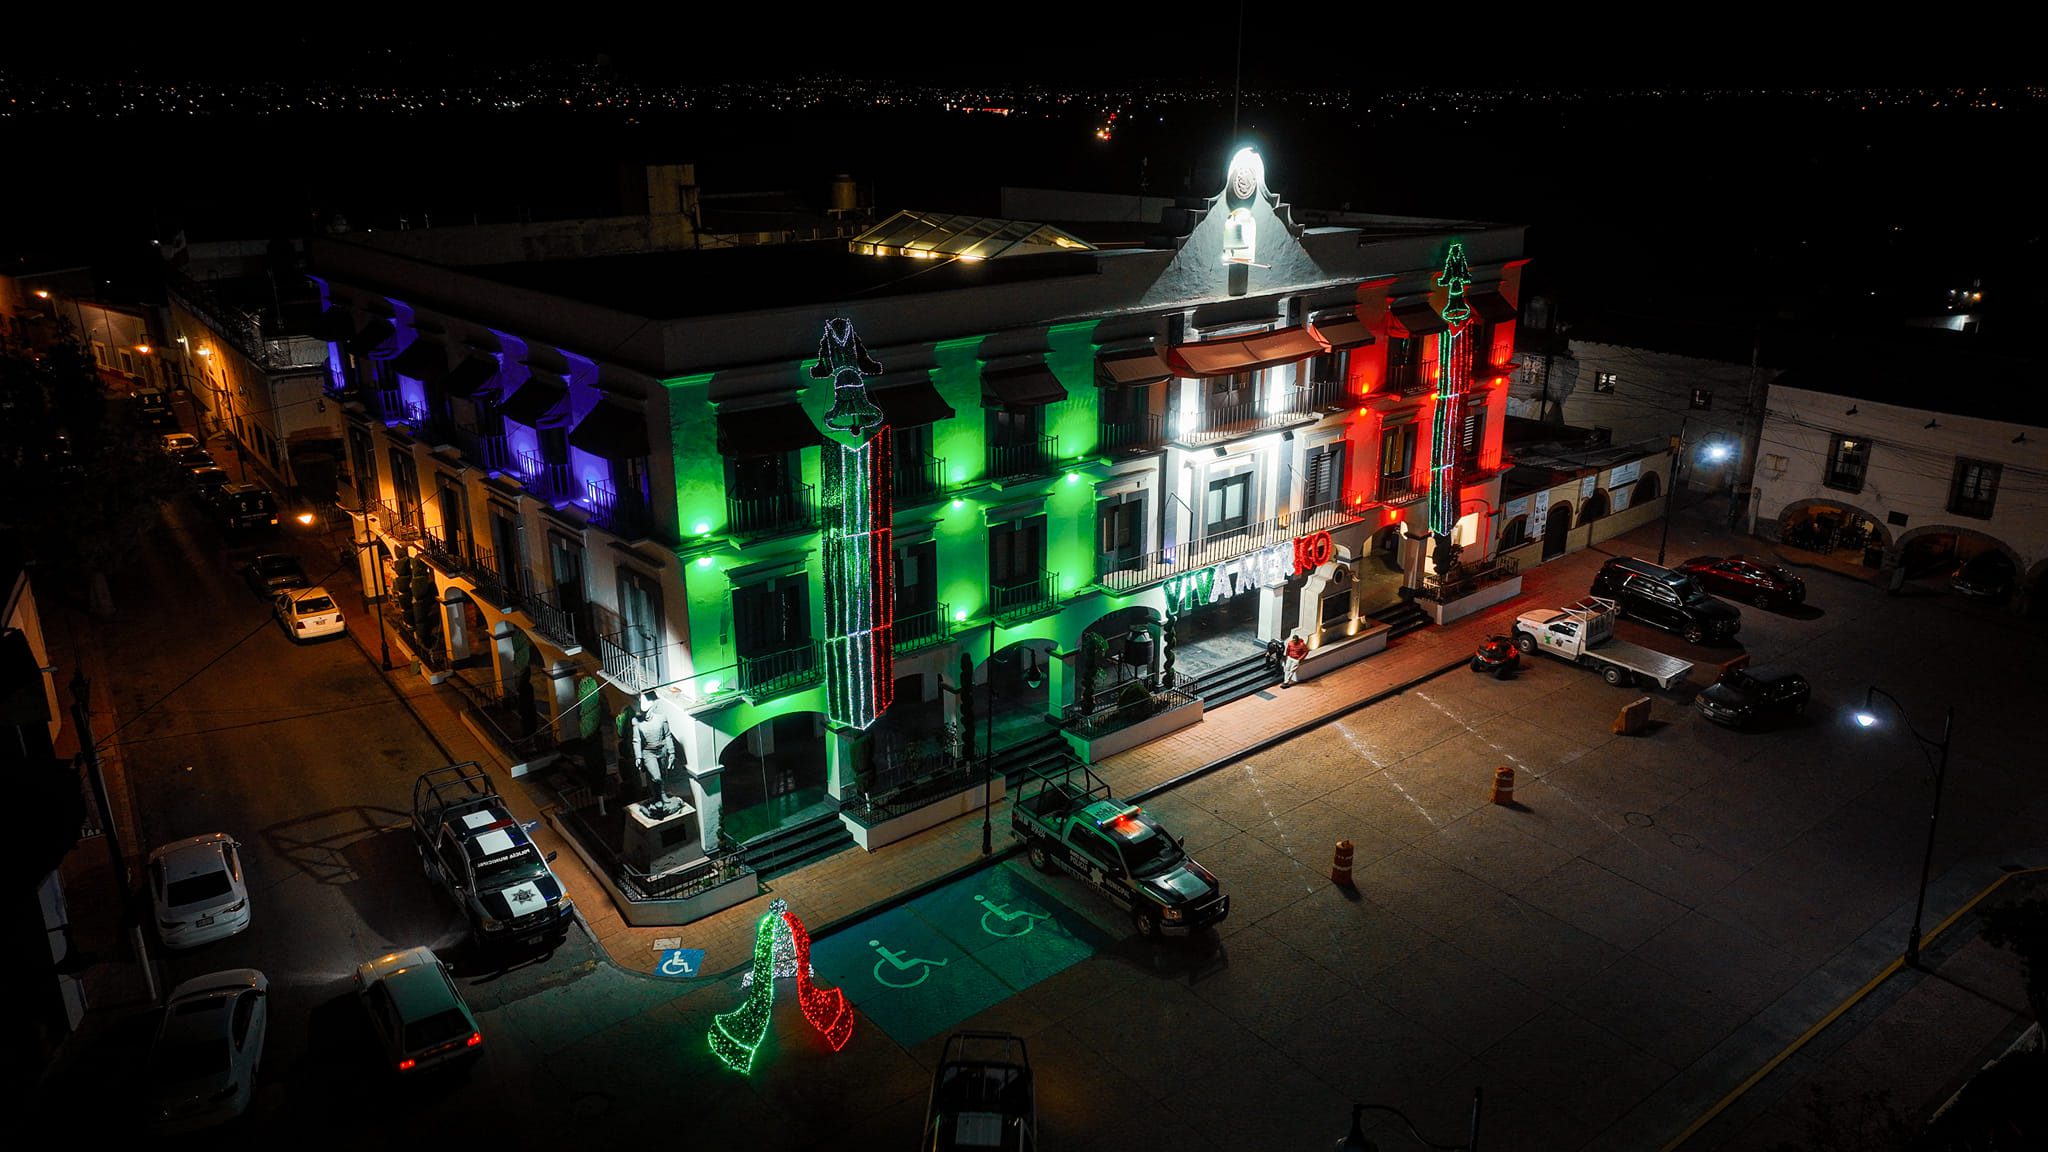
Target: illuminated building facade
[1097, 466]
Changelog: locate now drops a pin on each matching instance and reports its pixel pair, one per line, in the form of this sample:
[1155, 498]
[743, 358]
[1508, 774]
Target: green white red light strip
[1453, 377]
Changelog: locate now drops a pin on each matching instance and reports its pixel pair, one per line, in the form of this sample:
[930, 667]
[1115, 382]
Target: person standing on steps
[1297, 648]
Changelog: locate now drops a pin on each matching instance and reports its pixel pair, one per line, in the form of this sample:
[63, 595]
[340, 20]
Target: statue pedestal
[655, 842]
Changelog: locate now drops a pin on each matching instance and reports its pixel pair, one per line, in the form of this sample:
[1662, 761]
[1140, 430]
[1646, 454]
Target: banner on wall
[1586, 486]
[1540, 516]
[1624, 474]
[1519, 506]
[1618, 497]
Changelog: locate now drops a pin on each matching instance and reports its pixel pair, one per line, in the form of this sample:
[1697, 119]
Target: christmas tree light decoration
[825, 1008]
[784, 962]
[736, 1034]
[860, 555]
[1453, 377]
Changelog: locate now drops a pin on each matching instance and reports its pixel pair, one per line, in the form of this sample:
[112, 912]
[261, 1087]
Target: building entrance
[774, 776]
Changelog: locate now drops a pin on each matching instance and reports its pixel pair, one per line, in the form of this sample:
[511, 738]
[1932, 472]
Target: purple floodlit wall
[587, 469]
[336, 382]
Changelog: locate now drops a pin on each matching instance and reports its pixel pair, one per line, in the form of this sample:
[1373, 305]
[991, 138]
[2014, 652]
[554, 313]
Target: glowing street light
[1866, 717]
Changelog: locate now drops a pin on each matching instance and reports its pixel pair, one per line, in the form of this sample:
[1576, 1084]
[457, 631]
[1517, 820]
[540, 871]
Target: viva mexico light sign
[1268, 567]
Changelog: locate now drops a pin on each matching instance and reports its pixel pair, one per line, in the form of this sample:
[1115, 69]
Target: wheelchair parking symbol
[680, 963]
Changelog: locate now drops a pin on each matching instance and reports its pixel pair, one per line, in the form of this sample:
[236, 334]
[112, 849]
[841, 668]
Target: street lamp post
[1357, 1141]
[988, 743]
[1715, 453]
[1868, 718]
[377, 609]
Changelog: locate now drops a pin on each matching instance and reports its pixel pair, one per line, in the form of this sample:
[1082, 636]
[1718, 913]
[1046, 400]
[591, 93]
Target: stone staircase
[795, 845]
[1403, 618]
[1234, 681]
[1049, 750]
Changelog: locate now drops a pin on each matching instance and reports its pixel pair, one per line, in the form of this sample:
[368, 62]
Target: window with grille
[1848, 459]
[1974, 488]
[1324, 475]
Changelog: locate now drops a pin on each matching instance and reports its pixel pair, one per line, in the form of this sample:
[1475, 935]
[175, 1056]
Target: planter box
[1092, 750]
[1463, 606]
[662, 913]
[931, 815]
[1330, 657]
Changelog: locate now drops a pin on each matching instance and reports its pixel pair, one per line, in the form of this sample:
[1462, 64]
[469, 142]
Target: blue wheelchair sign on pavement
[680, 963]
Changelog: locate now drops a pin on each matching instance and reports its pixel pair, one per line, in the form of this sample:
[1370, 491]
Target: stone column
[562, 682]
[845, 749]
[1062, 673]
[505, 664]
[455, 624]
[700, 754]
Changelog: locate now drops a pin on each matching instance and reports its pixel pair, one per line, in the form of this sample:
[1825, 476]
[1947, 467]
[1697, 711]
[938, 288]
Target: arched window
[1647, 489]
[1594, 507]
[1515, 534]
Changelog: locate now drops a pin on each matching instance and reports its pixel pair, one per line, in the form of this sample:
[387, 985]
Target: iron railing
[397, 523]
[1464, 581]
[790, 510]
[918, 476]
[1277, 406]
[543, 477]
[780, 671]
[923, 629]
[1023, 457]
[1327, 395]
[636, 885]
[1133, 434]
[496, 579]
[630, 659]
[550, 619]
[1153, 567]
[487, 709]
[1025, 597]
[486, 448]
[1397, 487]
[622, 513]
[442, 554]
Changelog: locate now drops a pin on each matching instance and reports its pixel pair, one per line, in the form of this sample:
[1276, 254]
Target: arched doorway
[1944, 550]
[1556, 527]
[1594, 506]
[1377, 577]
[1010, 694]
[774, 774]
[1827, 526]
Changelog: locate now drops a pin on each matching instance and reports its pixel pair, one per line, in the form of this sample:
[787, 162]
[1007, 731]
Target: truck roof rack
[452, 784]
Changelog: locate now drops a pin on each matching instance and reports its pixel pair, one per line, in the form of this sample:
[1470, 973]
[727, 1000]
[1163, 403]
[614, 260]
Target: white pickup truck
[1583, 633]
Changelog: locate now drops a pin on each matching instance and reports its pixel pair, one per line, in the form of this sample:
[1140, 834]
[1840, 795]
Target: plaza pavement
[1709, 1003]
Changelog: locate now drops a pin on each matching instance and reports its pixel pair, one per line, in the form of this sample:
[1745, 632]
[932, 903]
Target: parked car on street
[1985, 576]
[1761, 583]
[1743, 697]
[209, 1045]
[192, 456]
[417, 1011]
[1665, 599]
[199, 891]
[308, 613]
[273, 572]
[153, 408]
[171, 443]
[206, 482]
[242, 506]
[982, 1096]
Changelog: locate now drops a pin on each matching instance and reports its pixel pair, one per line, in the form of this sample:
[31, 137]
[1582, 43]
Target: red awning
[1245, 353]
[1417, 318]
[1120, 369]
[1341, 330]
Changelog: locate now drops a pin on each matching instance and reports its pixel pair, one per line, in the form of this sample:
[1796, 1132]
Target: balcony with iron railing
[554, 622]
[397, 523]
[791, 510]
[631, 659]
[923, 628]
[485, 448]
[1009, 459]
[1192, 556]
[783, 670]
[918, 477]
[1145, 432]
[451, 557]
[543, 477]
[1400, 486]
[495, 580]
[1327, 395]
[1276, 406]
[1022, 598]
[623, 514]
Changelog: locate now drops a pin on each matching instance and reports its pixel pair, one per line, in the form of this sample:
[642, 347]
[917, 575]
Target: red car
[1744, 578]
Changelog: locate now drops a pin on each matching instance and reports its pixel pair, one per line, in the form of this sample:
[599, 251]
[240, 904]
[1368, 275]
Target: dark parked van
[1666, 599]
[245, 506]
[153, 408]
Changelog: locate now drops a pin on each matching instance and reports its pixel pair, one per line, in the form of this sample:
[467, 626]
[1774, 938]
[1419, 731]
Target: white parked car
[200, 893]
[202, 1068]
[309, 613]
[172, 442]
[417, 1011]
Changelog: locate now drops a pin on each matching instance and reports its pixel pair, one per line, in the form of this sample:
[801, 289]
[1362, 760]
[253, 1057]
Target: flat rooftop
[676, 285]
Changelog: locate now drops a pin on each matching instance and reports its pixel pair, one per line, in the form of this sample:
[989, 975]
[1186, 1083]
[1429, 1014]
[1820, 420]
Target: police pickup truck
[472, 847]
[1068, 821]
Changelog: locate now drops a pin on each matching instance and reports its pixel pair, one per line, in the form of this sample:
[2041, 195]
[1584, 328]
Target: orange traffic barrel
[1503, 785]
[1340, 867]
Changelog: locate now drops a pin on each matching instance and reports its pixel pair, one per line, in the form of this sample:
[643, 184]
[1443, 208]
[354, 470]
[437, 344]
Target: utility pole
[376, 563]
[81, 717]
